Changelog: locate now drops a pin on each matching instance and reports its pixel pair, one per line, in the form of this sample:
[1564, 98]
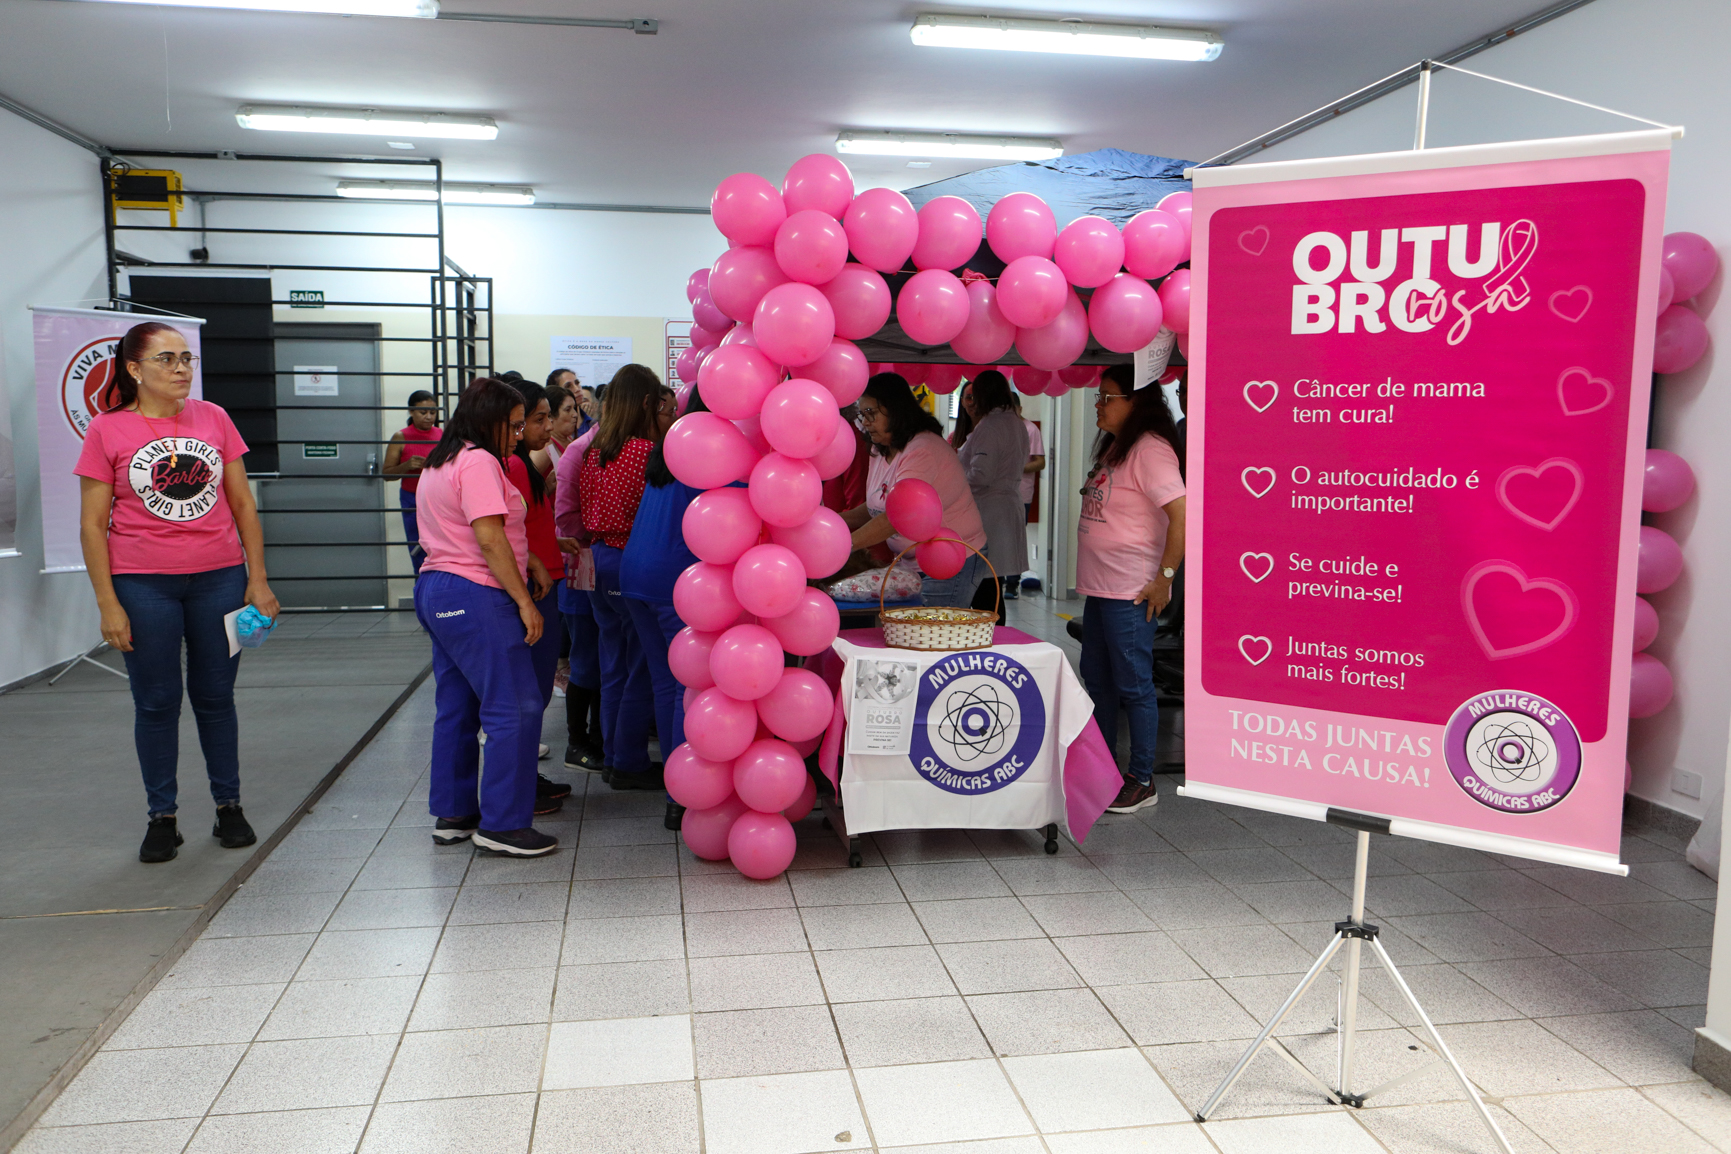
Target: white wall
[50, 252]
[1665, 63]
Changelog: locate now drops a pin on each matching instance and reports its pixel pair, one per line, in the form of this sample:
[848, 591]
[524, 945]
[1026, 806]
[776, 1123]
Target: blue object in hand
[252, 627]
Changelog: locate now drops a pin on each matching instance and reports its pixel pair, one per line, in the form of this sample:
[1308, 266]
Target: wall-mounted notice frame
[1419, 387]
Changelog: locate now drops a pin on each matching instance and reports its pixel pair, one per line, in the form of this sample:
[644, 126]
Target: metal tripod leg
[85, 656]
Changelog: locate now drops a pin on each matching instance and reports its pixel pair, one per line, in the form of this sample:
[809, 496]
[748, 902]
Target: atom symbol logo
[976, 722]
[1511, 751]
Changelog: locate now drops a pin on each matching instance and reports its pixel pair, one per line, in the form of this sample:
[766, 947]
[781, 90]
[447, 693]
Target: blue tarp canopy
[1107, 182]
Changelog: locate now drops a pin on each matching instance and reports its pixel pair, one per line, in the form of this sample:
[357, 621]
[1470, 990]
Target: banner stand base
[86, 656]
[1353, 934]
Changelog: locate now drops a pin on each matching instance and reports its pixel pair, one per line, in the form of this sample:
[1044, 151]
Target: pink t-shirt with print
[170, 514]
[929, 458]
[452, 498]
[1122, 533]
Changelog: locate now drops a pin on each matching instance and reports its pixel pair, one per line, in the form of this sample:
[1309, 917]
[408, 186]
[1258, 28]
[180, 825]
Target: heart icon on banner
[1580, 392]
[1537, 496]
[1250, 562]
[1572, 304]
[1258, 388]
[1259, 474]
[1249, 644]
[1254, 240]
[1505, 608]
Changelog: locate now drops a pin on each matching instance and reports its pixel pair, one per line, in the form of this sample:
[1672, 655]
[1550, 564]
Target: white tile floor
[962, 993]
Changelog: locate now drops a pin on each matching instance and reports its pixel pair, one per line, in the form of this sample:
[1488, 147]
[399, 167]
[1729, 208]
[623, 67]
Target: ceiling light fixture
[366, 122]
[948, 145]
[424, 9]
[497, 195]
[1074, 38]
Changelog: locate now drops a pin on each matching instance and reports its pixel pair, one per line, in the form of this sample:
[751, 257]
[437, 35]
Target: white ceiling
[603, 115]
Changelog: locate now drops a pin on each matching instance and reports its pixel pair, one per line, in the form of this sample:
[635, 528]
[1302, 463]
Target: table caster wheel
[854, 861]
[1051, 845]
[827, 824]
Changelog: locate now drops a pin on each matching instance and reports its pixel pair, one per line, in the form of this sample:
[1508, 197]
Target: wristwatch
[1168, 573]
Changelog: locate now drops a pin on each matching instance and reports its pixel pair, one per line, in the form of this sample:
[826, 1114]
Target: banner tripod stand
[85, 656]
[1353, 934]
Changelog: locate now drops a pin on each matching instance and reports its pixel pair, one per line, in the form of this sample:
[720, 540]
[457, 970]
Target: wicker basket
[939, 628]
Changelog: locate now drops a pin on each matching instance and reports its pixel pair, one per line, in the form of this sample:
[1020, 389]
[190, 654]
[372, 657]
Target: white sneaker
[541, 755]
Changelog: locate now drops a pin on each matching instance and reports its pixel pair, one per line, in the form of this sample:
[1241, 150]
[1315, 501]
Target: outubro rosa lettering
[1386, 756]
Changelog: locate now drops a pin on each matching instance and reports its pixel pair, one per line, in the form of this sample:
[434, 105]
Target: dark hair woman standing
[993, 458]
[172, 544]
[406, 456]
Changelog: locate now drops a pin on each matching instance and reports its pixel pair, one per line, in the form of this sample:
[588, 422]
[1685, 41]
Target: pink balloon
[943, 557]
[690, 357]
[1055, 387]
[704, 312]
[1650, 685]
[822, 542]
[988, 334]
[913, 372]
[914, 508]
[703, 597]
[839, 454]
[735, 379]
[810, 247]
[746, 662]
[689, 696]
[1178, 204]
[720, 525]
[1090, 250]
[688, 659]
[799, 418]
[739, 334]
[819, 182]
[769, 775]
[740, 277]
[1680, 341]
[784, 491]
[810, 627]
[807, 799]
[704, 450]
[1691, 260]
[705, 831]
[706, 338]
[1175, 299]
[793, 324]
[1079, 376]
[932, 307]
[1030, 381]
[944, 379]
[1646, 624]
[1059, 343]
[697, 282]
[719, 727]
[769, 580]
[1183, 343]
[799, 707]
[949, 233]
[762, 845]
[1019, 225]
[882, 228]
[695, 782]
[1667, 483]
[753, 430]
[1155, 243]
[1031, 292]
[1659, 561]
[860, 300]
[1667, 289]
[1125, 313]
[842, 369]
[747, 209]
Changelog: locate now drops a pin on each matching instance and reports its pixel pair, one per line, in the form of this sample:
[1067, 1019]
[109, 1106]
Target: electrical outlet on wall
[1686, 783]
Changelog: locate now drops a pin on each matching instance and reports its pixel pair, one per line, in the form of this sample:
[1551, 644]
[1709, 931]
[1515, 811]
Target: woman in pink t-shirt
[1129, 544]
[172, 544]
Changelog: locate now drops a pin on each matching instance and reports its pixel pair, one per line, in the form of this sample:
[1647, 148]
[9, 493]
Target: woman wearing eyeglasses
[172, 543]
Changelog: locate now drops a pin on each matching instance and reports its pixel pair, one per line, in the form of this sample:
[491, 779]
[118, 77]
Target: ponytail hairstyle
[131, 348]
[1148, 414]
[532, 394]
[482, 410]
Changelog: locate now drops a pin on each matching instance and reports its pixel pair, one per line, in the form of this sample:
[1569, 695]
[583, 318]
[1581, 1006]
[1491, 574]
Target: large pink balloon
[1658, 561]
[1175, 299]
[822, 542]
[703, 597]
[705, 831]
[913, 372]
[690, 357]
[1691, 260]
[944, 379]
[799, 707]
[810, 247]
[943, 557]
[769, 580]
[810, 627]
[720, 525]
[736, 378]
[719, 727]
[949, 233]
[769, 775]
[1155, 243]
[1125, 313]
[1680, 340]
[695, 283]
[688, 659]
[988, 334]
[860, 300]
[746, 662]
[704, 312]
[1667, 483]
[785, 490]
[740, 277]
[882, 228]
[1178, 204]
[1031, 292]
[799, 418]
[747, 209]
[1090, 250]
[842, 369]
[695, 782]
[704, 450]
[819, 182]
[1650, 686]
[914, 508]
[932, 307]
[1667, 289]
[1055, 386]
[839, 454]
[1030, 381]
[807, 798]
[1079, 376]
[1019, 225]
[793, 324]
[1059, 343]
[739, 334]
[706, 338]
[1646, 625]
[762, 845]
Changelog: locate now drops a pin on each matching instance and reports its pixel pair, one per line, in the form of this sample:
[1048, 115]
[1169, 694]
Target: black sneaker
[548, 805]
[231, 827]
[546, 789]
[620, 779]
[160, 840]
[583, 758]
[1133, 796]
[675, 816]
[516, 843]
[451, 830]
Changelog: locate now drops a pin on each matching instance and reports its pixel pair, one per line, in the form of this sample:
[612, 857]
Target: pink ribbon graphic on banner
[1505, 288]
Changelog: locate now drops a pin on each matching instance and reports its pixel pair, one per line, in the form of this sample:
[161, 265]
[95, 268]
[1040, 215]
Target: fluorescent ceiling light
[423, 190]
[425, 9]
[366, 121]
[949, 145]
[1074, 38]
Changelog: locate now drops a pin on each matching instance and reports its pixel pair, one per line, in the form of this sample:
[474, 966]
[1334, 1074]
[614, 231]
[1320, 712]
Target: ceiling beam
[642, 27]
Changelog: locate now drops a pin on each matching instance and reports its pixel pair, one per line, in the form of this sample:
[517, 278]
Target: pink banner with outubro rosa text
[1419, 386]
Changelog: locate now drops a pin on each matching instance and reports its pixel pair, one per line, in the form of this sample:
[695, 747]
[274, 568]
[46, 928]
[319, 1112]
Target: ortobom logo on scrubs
[1513, 752]
[979, 724]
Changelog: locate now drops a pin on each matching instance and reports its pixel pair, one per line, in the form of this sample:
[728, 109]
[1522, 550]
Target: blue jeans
[166, 609]
[411, 531]
[485, 678]
[958, 591]
[656, 624]
[1118, 669]
[627, 696]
